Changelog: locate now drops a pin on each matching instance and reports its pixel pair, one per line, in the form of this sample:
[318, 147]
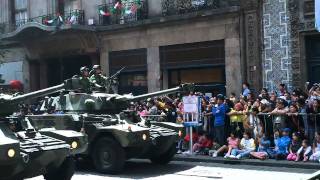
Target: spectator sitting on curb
[247, 146]
[264, 147]
[294, 147]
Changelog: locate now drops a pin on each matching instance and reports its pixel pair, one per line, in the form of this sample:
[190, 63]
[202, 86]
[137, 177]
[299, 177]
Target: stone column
[251, 42]
[153, 61]
[104, 61]
[26, 75]
[233, 64]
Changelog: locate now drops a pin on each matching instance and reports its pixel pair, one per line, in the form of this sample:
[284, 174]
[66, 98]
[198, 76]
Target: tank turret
[9, 103]
[98, 102]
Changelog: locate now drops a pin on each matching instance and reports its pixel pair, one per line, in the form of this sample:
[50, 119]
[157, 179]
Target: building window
[20, 12]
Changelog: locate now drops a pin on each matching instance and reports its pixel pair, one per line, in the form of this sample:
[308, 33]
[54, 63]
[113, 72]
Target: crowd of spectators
[269, 124]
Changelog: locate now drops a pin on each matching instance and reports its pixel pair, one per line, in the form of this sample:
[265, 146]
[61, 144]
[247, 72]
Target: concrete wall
[197, 30]
[37, 8]
[4, 13]
[91, 9]
[15, 66]
[154, 8]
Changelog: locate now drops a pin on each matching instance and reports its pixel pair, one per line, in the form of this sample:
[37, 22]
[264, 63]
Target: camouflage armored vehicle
[26, 152]
[114, 133]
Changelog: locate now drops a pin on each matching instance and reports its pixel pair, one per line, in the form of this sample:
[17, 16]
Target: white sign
[190, 104]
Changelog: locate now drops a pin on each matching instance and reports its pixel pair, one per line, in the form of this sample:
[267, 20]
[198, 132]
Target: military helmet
[94, 67]
[83, 69]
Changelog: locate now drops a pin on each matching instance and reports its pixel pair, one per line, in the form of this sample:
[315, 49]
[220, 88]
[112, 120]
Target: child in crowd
[304, 152]
[316, 149]
[214, 148]
[236, 119]
[204, 142]
[183, 144]
[247, 146]
[294, 147]
[233, 143]
[255, 123]
[264, 146]
[283, 145]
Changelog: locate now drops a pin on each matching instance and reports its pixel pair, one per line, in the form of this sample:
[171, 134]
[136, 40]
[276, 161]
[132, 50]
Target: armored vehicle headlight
[11, 153]
[180, 133]
[144, 137]
[74, 145]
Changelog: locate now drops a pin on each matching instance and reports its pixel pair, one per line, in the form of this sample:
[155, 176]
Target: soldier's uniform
[84, 79]
[97, 78]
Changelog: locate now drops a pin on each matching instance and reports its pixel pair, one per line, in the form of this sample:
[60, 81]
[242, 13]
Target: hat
[286, 130]
[16, 84]
[220, 96]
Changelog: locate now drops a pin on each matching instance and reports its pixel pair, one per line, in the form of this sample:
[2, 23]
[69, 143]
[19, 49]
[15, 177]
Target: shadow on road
[136, 169]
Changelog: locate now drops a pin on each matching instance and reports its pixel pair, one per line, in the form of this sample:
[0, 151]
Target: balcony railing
[73, 17]
[175, 7]
[122, 12]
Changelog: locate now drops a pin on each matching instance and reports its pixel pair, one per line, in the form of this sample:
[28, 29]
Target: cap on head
[286, 130]
[220, 96]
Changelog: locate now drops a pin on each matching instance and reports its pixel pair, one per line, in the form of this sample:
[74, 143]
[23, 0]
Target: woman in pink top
[233, 143]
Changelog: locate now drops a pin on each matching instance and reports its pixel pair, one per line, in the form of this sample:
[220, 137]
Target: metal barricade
[299, 121]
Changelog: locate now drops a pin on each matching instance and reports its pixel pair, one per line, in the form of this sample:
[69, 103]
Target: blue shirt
[219, 114]
[264, 145]
[283, 144]
[246, 92]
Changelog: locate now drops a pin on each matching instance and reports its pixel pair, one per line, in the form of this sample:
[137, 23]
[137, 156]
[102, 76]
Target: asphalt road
[139, 169]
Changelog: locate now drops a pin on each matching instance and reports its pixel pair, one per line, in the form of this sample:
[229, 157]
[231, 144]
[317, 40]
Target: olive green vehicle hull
[32, 156]
[135, 141]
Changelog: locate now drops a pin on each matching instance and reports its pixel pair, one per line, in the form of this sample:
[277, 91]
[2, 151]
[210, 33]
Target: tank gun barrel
[181, 88]
[39, 93]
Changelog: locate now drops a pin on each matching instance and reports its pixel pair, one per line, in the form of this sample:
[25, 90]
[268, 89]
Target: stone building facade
[215, 43]
[290, 43]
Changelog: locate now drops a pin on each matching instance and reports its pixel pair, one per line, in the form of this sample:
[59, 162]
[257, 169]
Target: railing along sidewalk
[282, 120]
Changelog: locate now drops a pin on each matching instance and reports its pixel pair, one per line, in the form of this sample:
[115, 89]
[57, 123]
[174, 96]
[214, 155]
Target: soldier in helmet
[97, 78]
[84, 79]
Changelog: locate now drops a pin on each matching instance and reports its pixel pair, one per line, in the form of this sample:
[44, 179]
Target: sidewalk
[251, 162]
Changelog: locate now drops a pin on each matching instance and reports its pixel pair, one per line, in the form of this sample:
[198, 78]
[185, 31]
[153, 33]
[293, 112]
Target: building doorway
[63, 68]
[202, 63]
[133, 79]
[313, 58]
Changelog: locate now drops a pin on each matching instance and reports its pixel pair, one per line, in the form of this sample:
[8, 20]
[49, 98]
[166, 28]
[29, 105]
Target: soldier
[84, 79]
[99, 80]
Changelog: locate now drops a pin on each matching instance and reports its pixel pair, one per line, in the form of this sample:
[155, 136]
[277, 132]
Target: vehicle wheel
[64, 172]
[108, 156]
[166, 157]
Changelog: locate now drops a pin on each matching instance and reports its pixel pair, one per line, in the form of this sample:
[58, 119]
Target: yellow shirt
[236, 118]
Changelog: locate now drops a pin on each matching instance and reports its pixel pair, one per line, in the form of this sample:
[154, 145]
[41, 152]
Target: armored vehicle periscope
[114, 134]
[26, 152]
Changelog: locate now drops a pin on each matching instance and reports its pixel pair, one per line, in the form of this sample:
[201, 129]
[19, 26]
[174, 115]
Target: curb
[251, 162]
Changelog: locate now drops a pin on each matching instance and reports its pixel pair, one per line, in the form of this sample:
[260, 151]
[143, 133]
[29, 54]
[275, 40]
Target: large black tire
[108, 156]
[166, 157]
[64, 172]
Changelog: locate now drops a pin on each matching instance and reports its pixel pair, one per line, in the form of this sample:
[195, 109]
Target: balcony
[176, 7]
[73, 17]
[122, 13]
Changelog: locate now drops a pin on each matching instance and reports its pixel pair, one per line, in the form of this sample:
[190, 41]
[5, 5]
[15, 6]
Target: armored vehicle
[26, 152]
[115, 134]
